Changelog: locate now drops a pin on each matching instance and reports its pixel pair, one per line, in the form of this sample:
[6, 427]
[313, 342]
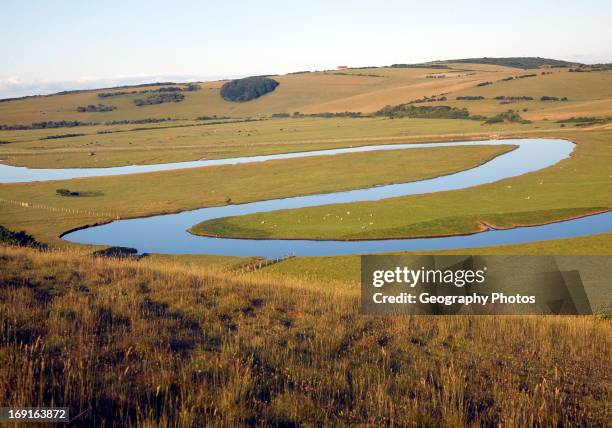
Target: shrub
[117, 252]
[426, 112]
[247, 89]
[46, 125]
[53, 137]
[20, 239]
[550, 98]
[171, 97]
[95, 108]
[514, 98]
[470, 97]
[508, 116]
[66, 192]
[484, 83]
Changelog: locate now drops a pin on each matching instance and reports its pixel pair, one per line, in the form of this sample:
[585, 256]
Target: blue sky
[54, 45]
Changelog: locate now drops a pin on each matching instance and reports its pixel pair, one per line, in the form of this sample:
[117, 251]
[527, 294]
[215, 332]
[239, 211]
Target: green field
[569, 189]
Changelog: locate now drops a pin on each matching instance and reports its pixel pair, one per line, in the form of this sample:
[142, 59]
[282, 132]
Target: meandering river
[168, 233]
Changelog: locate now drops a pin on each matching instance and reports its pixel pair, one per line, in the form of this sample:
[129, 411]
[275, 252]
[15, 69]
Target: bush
[66, 192]
[514, 98]
[508, 116]
[484, 83]
[117, 252]
[53, 137]
[247, 89]
[426, 112]
[20, 239]
[95, 108]
[471, 98]
[550, 98]
[171, 97]
[47, 125]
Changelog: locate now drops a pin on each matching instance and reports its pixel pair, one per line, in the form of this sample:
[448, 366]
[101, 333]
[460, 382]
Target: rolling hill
[358, 89]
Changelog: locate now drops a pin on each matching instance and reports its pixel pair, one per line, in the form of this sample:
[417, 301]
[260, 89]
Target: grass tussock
[122, 343]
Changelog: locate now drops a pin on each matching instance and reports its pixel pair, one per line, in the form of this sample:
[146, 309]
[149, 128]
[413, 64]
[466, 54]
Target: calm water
[18, 174]
[167, 233]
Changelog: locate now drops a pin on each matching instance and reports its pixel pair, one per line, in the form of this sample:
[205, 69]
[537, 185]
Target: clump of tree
[470, 97]
[141, 121]
[506, 79]
[422, 65]
[484, 83]
[425, 112]
[551, 98]
[73, 193]
[92, 108]
[66, 192]
[116, 94]
[427, 100]
[20, 239]
[53, 137]
[516, 62]
[47, 125]
[513, 98]
[342, 73]
[584, 68]
[523, 76]
[161, 98]
[507, 116]
[189, 88]
[213, 117]
[118, 253]
[586, 120]
[327, 114]
[249, 88]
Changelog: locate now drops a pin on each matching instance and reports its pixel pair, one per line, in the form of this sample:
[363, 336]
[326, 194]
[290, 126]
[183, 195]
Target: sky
[47, 46]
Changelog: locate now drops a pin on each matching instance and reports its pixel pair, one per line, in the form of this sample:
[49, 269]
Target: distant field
[363, 90]
[161, 144]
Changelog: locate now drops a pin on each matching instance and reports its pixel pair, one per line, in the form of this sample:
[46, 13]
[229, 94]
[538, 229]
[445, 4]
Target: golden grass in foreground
[137, 343]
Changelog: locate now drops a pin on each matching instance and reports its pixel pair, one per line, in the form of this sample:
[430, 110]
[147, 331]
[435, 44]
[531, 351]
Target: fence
[50, 208]
[260, 264]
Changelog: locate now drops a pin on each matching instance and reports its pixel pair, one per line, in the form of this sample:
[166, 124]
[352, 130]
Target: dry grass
[137, 343]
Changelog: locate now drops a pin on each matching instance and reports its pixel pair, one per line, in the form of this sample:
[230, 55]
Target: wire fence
[74, 211]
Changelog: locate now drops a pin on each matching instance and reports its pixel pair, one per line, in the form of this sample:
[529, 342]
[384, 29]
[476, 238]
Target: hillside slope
[113, 341]
[364, 90]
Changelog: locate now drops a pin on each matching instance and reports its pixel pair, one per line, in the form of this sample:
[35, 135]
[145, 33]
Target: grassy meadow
[111, 340]
[571, 188]
[170, 191]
